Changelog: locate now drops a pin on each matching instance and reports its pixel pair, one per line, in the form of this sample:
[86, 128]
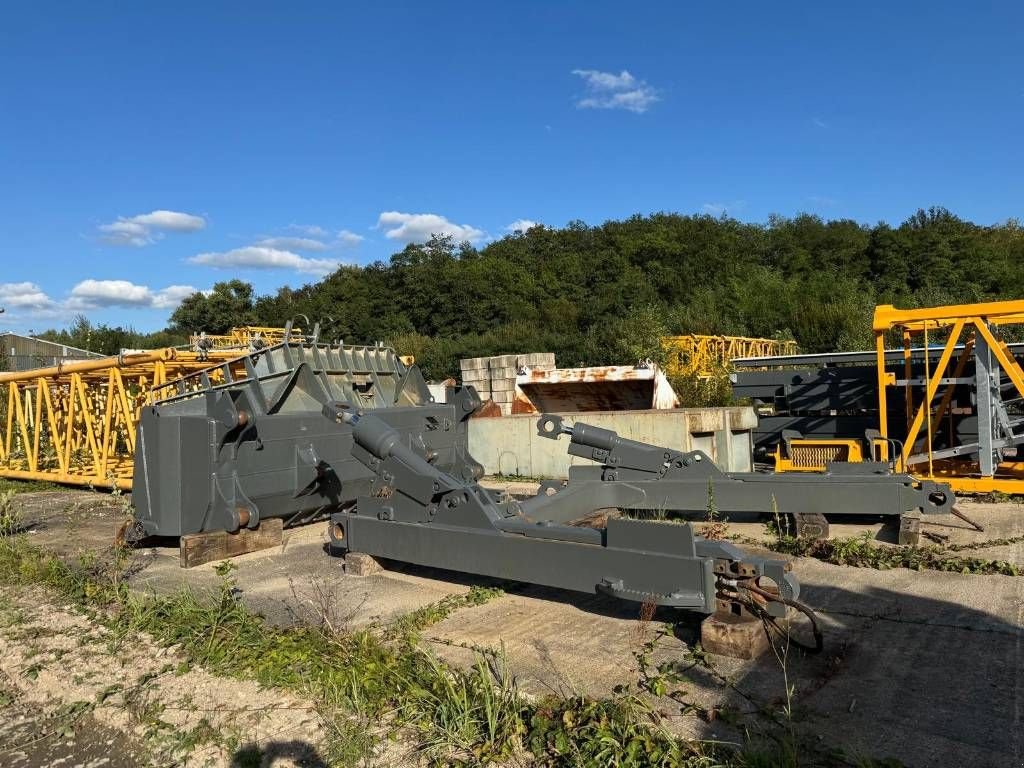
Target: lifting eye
[338, 532]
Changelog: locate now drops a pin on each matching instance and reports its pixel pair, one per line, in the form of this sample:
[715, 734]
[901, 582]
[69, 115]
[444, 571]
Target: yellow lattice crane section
[75, 422]
[243, 337]
[704, 355]
[961, 332]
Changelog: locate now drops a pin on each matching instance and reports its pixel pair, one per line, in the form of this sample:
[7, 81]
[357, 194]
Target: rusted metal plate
[599, 388]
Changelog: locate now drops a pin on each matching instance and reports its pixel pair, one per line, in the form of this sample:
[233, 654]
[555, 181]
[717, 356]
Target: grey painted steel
[417, 512]
[635, 475]
[985, 380]
[222, 456]
[315, 429]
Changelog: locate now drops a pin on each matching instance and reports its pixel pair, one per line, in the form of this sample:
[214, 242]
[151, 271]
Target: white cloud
[125, 232]
[172, 221]
[23, 296]
[27, 303]
[94, 294]
[521, 225]
[111, 293]
[347, 238]
[171, 296]
[147, 228]
[818, 122]
[293, 244]
[418, 227]
[606, 90]
[320, 243]
[262, 257]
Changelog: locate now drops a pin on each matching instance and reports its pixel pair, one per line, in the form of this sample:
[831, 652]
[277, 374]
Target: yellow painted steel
[75, 423]
[705, 355]
[244, 337]
[812, 454]
[960, 324]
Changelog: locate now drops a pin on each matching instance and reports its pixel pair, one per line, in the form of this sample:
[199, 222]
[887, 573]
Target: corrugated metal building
[22, 353]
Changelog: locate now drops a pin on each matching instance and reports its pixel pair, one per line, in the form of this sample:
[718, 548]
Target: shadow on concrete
[924, 680]
[297, 753]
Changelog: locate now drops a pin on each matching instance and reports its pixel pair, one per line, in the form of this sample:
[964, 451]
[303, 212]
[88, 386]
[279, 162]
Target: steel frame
[75, 423]
[704, 355]
[974, 468]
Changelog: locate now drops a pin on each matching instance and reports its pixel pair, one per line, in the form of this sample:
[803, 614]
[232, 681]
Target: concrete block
[473, 363]
[537, 359]
[361, 564]
[502, 361]
[475, 374]
[504, 372]
[502, 396]
[733, 636]
[503, 385]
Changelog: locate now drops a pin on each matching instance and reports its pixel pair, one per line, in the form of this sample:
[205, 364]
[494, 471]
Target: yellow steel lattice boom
[243, 337]
[75, 422]
[704, 355]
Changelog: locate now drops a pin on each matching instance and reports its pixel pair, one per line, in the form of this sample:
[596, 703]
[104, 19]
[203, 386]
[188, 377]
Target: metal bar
[1008, 363]
[89, 366]
[37, 429]
[929, 394]
[947, 397]
[983, 396]
[55, 436]
[883, 406]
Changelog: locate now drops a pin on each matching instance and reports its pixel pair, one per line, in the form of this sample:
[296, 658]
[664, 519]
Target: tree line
[604, 294]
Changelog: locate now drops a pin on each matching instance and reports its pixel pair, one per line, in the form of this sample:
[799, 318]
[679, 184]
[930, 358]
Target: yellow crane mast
[694, 354]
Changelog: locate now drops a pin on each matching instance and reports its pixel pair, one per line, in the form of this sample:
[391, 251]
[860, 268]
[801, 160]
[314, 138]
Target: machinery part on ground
[417, 511]
[696, 355]
[949, 410]
[639, 476]
[746, 598]
[248, 440]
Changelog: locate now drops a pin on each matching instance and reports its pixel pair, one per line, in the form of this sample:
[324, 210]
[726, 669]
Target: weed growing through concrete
[860, 552]
[716, 527]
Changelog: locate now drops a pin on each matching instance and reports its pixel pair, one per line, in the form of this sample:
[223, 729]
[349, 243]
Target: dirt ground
[926, 667]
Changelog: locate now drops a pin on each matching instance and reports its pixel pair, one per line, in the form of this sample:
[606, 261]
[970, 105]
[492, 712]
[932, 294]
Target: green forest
[604, 294]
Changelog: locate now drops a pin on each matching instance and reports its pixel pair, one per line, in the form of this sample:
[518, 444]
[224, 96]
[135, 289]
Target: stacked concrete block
[495, 377]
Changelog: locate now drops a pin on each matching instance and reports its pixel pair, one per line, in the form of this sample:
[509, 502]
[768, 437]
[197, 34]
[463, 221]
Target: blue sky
[148, 150]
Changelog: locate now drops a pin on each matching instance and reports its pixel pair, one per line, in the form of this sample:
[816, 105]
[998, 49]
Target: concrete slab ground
[926, 667]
